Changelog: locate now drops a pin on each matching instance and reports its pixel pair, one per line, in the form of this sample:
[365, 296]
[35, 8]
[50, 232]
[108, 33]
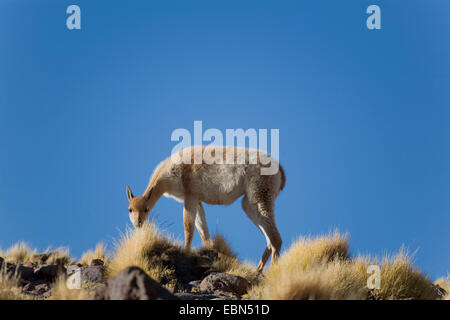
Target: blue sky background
[363, 116]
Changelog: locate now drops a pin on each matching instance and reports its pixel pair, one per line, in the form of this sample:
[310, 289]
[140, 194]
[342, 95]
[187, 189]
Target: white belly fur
[178, 199]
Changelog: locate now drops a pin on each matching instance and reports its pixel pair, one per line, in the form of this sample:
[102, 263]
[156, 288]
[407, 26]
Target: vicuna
[215, 183]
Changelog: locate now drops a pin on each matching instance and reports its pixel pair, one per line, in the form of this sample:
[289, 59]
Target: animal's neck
[157, 190]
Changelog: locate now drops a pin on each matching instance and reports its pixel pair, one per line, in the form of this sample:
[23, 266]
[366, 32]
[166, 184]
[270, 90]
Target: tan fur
[215, 184]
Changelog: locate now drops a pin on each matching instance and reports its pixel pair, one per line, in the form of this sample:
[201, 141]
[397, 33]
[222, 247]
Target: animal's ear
[149, 194]
[129, 194]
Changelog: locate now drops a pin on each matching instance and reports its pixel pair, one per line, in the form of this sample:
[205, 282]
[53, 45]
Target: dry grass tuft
[308, 251]
[400, 280]
[142, 248]
[313, 269]
[98, 253]
[21, 253]
[444, 283]
[9, 287]
[59, 291]
[321, 269]
[220, 244]
[335, 280]
[60, 255]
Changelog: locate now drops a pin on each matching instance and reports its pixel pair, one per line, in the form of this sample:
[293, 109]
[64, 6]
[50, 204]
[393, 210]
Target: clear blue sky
[363, 116]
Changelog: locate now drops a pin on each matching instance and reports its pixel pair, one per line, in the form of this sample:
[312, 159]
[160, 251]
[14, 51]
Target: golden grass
[321, 269]
[59, 291]
[98, 253]
[60, 255]
[136, 247]
[444, 283]
[313, 269]
[9, 286]
[400, 280]
[21, 253]
[308, 251]
[335, 280]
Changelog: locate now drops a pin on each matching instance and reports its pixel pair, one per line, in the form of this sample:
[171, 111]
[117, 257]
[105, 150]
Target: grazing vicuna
[221, 182]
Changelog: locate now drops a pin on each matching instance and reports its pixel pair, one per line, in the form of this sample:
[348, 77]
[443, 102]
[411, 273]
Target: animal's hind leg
[264, 259]
[201, 225]
[265, 222]
[269, 226]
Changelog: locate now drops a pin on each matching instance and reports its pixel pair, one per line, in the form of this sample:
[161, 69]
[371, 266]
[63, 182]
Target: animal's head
[138, 208]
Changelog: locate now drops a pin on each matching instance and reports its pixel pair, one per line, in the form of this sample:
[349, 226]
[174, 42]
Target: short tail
[283, 178]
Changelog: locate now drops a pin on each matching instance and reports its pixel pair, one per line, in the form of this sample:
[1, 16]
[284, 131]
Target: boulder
[25, 272]
[37, 288]
[48, 271]
[224, 282]
[132, 283]
[94, 274]
[9, 267]
[82, 276]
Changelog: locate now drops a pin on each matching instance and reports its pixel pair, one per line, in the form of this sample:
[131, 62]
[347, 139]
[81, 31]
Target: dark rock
[185, 267]
[37, 288]
[10, 268]
[224, 282]
[92, 274]
[25, 272]
[132, 283]
[97, 262]
[201, 296]
[48, 271]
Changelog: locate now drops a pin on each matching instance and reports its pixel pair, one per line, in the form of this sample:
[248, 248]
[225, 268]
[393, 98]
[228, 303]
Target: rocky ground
[133, 283]
[146, 265]
[36, 281]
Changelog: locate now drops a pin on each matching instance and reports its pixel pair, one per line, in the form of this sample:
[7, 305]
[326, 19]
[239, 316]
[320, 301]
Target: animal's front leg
[202, 226]
[189, 213]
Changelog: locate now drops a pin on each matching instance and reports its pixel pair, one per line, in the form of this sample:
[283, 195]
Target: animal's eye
[130, 210]
[147, 209]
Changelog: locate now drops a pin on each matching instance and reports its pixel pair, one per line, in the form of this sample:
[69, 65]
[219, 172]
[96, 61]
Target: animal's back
[218, 183]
